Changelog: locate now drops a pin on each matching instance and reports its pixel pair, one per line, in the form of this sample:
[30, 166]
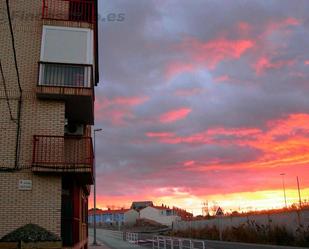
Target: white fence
[162, 242]
[132, 237]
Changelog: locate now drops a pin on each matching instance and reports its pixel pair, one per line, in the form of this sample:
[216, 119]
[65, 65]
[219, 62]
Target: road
[113, 240]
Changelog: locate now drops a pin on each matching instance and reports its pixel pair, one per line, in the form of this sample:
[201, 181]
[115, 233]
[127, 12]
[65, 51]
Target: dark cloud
[245, 89]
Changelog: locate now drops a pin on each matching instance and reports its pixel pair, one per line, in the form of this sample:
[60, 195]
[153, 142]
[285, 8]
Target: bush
[250, 232]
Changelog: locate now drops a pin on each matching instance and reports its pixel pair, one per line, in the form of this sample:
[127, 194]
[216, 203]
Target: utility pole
[283, 184]
[94, 193]
[299, 197]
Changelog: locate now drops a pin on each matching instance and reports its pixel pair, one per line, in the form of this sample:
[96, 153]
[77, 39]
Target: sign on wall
[25, 184]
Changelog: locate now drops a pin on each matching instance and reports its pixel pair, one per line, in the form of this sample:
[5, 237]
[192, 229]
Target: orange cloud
[206, 137]
[174, 115]
[283, 144]
[206, 54]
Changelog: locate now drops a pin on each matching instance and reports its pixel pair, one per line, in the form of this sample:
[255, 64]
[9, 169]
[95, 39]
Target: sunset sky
[203, 100]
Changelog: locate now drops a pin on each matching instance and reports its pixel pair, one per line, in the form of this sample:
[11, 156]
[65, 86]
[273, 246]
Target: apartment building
[113, 217]
[46, 113]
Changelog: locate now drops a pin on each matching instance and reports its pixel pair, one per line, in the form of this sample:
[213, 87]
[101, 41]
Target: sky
[202, 101]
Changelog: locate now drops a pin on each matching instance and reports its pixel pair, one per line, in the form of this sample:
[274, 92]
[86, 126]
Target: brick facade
[42, 204]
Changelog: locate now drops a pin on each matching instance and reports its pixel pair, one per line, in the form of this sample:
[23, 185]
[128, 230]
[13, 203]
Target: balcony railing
[63, 153]
[69, 10]
[65, 75]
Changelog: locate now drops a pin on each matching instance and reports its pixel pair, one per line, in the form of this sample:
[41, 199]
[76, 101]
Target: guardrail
[62, 152]
[162, 242]
[132, 237]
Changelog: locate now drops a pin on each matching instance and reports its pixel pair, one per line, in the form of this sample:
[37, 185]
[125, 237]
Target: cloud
[192, 101]
[264, 64]
[187, 92]
[199, 54]
[118, 109]
[175, 115]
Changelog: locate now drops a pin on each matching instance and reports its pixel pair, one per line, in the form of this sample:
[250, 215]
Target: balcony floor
[82, 174]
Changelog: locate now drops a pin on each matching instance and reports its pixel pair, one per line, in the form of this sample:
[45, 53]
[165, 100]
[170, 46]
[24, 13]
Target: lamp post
[283, 184]
[94, 192]
[299, 197]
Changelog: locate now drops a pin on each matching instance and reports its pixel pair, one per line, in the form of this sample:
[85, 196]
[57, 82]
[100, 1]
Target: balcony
[64, 154]
[69, 10]
[72, 83]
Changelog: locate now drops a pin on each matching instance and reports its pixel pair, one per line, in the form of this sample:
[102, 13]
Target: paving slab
[99, 246]
[112, 240]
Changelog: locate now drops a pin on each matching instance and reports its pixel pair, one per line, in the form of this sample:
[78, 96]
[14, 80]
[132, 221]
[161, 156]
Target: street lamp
[299, 198]
[94, 191]
[283, 184]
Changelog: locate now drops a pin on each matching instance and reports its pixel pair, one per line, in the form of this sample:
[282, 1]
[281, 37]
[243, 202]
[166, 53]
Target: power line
[6, 93]
[13, 44]
[17, 146]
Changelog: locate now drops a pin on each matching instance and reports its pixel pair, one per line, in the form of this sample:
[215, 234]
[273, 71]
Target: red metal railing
[69, 10]
[63, 152]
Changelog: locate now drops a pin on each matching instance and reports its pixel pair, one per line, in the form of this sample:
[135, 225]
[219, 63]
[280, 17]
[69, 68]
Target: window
[63, 75]
[81, 11]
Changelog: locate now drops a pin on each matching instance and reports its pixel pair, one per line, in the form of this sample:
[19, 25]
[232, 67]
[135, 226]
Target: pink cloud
[206, 54]
[177, 68]
[160, 134]
[188, 92]
[174, 115]
[282, 24]
[206, 137]
[306, 62]
[264, 64]
[222, 78]
[117, 109]
[189, 163]
[244, 27]
[126, 101]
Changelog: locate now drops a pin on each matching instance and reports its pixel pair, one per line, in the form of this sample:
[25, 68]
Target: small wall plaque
[25, 185]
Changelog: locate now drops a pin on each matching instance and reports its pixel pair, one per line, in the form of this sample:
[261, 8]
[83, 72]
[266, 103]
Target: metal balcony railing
[65, 75]
[69, 10]
[63, 152]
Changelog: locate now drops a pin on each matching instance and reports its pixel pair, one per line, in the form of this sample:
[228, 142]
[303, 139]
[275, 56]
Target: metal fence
[62, 152]
[162, 242]
[69, 10]
[132, 237]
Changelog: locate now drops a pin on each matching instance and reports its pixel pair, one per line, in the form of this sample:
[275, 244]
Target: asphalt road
[114, 240]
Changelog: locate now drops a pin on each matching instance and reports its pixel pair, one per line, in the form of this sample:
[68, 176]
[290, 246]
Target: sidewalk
[100, 246]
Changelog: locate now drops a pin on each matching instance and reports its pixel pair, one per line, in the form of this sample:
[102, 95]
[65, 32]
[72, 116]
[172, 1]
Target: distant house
[113, 217]
[164, 215]
[138, 205]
